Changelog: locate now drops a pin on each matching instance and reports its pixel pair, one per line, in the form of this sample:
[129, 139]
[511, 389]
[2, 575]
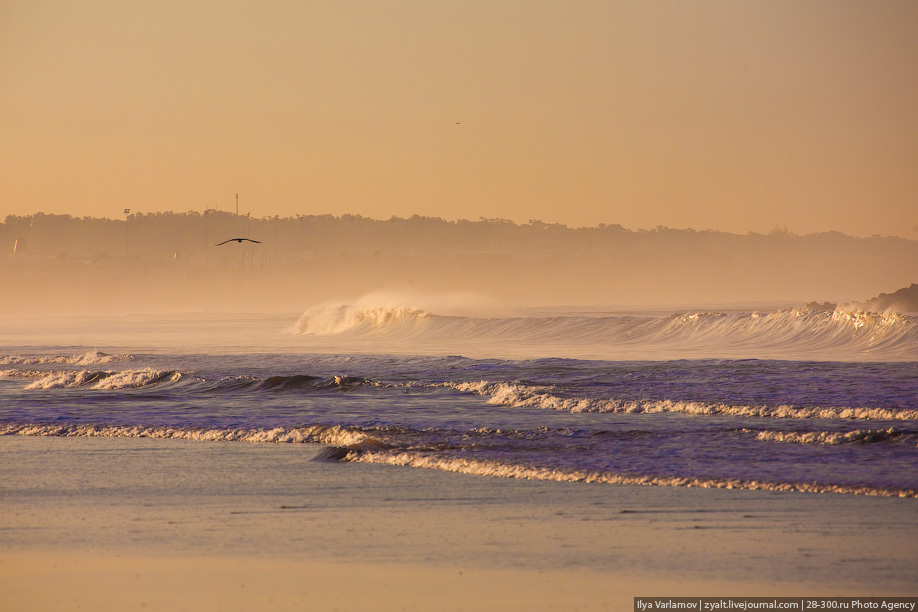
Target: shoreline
[138, 523]
[343, 442]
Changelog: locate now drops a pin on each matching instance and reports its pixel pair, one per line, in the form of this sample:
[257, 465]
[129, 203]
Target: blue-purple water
[819, 402]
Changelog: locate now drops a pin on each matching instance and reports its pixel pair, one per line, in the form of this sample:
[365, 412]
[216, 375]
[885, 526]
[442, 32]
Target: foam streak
[496, 469]
[530, 396]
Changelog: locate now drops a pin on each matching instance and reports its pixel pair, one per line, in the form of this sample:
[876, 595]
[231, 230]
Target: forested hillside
[172, 261]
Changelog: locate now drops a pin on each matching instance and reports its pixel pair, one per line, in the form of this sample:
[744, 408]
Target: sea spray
[782, 333]
[796, 426]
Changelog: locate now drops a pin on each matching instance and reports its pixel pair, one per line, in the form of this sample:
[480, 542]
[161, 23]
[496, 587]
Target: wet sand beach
[141, 524]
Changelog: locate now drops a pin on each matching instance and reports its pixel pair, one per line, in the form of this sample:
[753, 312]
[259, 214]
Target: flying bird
[239, 240]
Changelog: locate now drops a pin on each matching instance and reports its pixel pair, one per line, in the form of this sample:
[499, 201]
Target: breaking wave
[536, 396]
[148, 377]
[791, 332]
[357, 445]
[83, 359]
[832, 438]
[295, 382]
[484, 467]
[316, 434]
[335, 319]
[126, 379]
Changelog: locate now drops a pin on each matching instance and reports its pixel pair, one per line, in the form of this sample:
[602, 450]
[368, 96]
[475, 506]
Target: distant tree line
[148, 261]
[168, 235]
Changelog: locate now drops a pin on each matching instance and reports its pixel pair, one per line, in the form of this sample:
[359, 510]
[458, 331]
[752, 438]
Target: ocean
[762, 399]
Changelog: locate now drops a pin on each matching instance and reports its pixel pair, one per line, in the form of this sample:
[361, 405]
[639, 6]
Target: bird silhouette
[239, 240]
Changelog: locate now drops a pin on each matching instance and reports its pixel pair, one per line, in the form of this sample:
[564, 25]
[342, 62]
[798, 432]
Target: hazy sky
[738, 116]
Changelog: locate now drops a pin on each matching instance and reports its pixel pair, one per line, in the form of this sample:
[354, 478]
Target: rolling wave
[300, 381]
[83, 359]
[357, 445]
[792, 332]
[280, 383]
[126, 379]
[316, 434]
[540, 396]
[833, 438]
[328, 320]
[486, 467]
[496, 393]
[149, 377]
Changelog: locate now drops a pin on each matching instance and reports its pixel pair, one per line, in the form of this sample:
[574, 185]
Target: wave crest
[535, 396]
[486, 467]
[833, 438]
[148, 377]
[328, 320]
[83, 359]
[126, 379]
[840, 334]
[367, 445]
[316, 434]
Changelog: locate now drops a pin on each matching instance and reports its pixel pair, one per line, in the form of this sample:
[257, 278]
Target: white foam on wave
[800, 330]
[126, 379]
[534, 396]
[394, 311]
[18, 373]
[316, 434]
[832, 438]
[484, 467]
[354, 446]
[83, 359]
[859, 319]
[330, 319]
[838, 334]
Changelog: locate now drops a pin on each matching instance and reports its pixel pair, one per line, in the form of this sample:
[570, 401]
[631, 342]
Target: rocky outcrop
[904, 300]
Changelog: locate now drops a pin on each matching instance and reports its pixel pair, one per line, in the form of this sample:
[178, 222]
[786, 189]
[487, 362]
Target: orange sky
[738, 116]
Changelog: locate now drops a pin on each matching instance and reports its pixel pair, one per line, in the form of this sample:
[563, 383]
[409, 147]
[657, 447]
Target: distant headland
[904, 300]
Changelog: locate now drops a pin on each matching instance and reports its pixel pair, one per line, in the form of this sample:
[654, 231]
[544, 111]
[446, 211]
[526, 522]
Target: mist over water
[666, 358]
[166, 262]
[257, 394]
[378, 326]
[777, 334]
[796, 426]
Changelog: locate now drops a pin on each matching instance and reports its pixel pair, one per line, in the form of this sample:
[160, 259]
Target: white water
[502, 470]
[126, 379]
[83, 359]
[511, 394]
[676, 399]
[857, 436]
[353, 446]
[838, 335]
[332, 435]
[385, 325]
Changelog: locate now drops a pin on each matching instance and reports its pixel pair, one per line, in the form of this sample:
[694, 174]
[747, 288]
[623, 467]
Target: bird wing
[239, 240]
